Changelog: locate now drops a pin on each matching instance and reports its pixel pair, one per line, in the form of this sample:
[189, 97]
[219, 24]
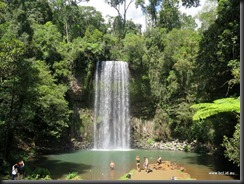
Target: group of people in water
[145, 163]
[138, 164]
[18, 171]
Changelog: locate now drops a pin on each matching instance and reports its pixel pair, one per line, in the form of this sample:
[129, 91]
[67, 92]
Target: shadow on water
[58, 169]
[217, 164]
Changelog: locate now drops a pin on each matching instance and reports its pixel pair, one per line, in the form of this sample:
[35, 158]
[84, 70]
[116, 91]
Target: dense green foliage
[217, 108]
[48, 55]
[233, 146]
[39, 174]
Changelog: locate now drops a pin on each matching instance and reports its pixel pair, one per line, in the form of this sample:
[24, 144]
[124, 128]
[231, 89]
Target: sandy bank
[165, 171]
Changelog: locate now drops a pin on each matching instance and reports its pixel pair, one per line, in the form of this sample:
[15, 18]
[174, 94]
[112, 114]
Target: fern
[205, 110]
[232, 146]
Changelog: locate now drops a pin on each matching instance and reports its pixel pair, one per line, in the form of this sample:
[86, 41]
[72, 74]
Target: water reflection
[112, 174]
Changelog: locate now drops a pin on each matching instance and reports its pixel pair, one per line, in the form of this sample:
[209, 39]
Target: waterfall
[111, 106]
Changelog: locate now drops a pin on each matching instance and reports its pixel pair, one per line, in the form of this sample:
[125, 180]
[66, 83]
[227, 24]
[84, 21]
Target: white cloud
[133, 13]
[100, 6]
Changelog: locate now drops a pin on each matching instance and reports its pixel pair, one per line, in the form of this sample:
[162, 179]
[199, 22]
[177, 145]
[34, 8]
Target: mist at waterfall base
[111, 106]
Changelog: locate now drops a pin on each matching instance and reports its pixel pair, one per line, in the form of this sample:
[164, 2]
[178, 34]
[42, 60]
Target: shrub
[150, 141]
[72, 175]
[232, 146]
[187, 148]
[40, 174]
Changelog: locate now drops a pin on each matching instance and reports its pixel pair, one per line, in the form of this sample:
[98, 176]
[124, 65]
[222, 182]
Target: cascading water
[111, 108]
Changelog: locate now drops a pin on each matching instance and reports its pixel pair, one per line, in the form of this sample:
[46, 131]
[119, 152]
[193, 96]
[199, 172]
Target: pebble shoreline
[173, 145]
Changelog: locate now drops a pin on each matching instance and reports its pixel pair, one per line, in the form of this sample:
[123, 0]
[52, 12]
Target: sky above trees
[134, 14]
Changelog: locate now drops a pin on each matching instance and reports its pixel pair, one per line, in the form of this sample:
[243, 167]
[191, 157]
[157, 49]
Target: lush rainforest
[184, 78]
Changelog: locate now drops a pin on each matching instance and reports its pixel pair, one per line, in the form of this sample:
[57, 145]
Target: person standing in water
[138, 163]
[146, 164]
[112, 165]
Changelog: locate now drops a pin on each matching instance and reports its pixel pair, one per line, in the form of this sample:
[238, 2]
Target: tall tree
[65, 16]
[178, 88]
[169, 15]
[90, 17]
[121, 6]
[216, 66]
[150, 10]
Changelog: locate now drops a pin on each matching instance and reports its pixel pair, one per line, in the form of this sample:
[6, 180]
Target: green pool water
[94, 164]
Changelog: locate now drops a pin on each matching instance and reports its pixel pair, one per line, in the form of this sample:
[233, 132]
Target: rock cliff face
[141, 131]
[142, 138]
[79, 134]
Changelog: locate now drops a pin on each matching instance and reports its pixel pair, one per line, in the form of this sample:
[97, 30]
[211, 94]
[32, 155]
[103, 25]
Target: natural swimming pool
[94, 164]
